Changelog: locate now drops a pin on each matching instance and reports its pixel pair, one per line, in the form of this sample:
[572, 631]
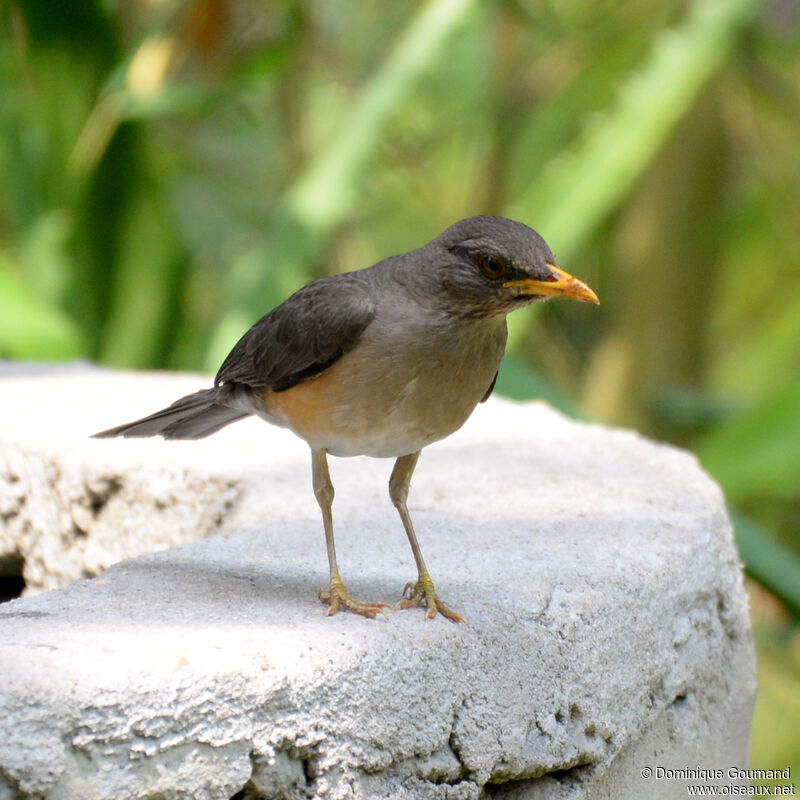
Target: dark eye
[492, 267]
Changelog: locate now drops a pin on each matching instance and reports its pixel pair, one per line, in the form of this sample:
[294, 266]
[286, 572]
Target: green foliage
[519, 382]
[31, 330]
[170, 171]
[769, 562]
[755, 454]
[324, 193]
[774, 736]
[578, 188]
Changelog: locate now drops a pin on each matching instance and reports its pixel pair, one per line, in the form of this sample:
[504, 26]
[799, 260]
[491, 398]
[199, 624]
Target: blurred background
[171, 169]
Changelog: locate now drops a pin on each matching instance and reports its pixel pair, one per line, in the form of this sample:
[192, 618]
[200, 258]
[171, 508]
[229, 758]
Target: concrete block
[607, 628]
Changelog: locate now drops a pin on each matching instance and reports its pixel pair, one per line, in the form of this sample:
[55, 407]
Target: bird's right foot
[338, 597]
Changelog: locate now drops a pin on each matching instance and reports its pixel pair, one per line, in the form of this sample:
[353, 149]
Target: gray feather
[192, 417]
[303, 336]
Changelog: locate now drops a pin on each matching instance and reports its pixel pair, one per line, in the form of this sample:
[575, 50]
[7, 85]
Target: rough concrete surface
[606, 632]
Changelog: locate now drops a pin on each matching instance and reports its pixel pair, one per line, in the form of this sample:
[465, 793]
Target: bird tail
[192, 417]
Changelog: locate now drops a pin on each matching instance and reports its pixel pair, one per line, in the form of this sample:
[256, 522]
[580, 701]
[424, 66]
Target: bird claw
[338, 597]
[415, 595]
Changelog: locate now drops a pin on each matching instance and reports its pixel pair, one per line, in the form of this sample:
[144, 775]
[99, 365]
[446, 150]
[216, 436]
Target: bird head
[488, 266]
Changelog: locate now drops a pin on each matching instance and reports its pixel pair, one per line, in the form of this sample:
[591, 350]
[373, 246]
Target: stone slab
[607, 627]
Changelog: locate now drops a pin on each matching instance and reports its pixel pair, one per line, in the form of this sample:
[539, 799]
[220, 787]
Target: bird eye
[492, 267]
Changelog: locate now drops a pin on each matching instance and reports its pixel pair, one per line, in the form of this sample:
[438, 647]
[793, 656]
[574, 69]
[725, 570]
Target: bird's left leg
[422, 591]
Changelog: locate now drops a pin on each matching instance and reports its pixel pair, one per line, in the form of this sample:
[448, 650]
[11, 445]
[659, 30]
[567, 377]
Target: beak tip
[580, 291]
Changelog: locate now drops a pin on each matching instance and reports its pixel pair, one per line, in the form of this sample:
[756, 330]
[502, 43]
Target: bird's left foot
[415, 595]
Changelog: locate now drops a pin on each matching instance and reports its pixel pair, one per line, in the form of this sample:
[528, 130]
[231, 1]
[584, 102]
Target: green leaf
[519, 382]
[325, 193]
[586, 182]
[327, 190]
[771, 563]
[756, 454]
[147, 268]
[31, 329]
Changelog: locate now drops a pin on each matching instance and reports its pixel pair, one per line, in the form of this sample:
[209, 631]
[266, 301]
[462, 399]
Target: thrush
[379, 362]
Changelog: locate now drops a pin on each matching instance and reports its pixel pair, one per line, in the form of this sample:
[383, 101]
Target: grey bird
[379, 362]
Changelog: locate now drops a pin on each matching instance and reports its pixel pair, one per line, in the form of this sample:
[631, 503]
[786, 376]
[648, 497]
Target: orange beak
[561, 284]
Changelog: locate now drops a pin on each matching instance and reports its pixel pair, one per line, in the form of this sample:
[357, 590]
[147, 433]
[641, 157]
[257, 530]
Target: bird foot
[415, 595]
[338, 597]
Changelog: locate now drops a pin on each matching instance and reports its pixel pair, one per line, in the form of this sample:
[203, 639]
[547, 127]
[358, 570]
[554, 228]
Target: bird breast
[404, 385]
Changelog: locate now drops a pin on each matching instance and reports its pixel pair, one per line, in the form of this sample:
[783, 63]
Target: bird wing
[303, 336]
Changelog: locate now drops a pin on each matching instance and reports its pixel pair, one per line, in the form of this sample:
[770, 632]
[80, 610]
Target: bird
[380, 362]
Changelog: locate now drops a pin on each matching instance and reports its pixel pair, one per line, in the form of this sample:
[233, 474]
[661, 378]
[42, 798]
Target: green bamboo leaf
[519, 382]
[143, 284]
[771, 563]
[31, 329]
[579, 188]
[756, 454]
[325, 192]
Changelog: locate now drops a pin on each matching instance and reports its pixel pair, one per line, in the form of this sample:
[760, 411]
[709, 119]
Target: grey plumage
[303, 336]
[192, 417]
[311, 330]
[380, 362]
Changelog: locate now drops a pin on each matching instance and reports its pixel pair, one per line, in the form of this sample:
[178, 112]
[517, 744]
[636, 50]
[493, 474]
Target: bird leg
[337, 595]
[422, 592]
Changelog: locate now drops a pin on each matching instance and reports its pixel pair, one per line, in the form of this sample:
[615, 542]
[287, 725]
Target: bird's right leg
[336, 596]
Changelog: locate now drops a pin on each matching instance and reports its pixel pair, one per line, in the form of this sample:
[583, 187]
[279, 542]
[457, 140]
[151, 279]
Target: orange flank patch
[307, 408]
